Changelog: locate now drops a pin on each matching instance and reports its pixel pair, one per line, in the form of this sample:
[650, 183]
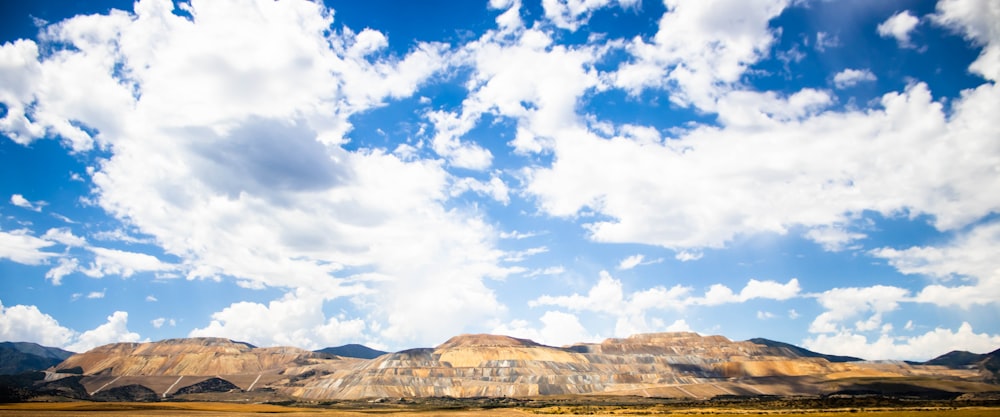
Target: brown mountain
[662, 365]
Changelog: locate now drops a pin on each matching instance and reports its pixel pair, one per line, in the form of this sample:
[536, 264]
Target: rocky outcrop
[209, 385]
[128, 393]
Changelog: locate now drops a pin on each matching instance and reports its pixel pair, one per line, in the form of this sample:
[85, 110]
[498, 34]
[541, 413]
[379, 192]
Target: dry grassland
[86, 409]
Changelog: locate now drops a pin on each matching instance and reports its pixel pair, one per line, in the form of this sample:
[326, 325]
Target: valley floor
[205, 409]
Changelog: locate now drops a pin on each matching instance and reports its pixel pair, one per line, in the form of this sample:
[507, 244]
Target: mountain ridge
[19, 357]
[682, 364]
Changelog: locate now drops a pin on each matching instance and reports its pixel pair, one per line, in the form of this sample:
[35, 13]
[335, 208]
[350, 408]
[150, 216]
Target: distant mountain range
[18, 357]
[353, 351]
[805, 353]
[988, 364]
[675, 365]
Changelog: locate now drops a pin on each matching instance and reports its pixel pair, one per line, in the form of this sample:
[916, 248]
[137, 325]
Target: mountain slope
[677, 365]
[353, 351]
[195, 356]
[806, 353]
[988, 364]
[648, 364]
[18, 357]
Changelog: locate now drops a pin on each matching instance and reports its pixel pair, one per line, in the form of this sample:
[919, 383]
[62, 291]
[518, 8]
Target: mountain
[956, 359]
[662, 365]
[988, 364]
[194, 356]
[806, 353]
[18, 357]
[675, 365]
[353, 351]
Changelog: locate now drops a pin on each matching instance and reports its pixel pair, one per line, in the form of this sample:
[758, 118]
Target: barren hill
[662, 364]
[659, 365]
[195, 356]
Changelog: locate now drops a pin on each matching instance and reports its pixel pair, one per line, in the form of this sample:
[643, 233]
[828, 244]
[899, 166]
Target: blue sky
[824, 173]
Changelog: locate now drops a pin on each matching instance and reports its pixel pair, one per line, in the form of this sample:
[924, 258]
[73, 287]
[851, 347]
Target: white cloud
[701, 49]
[21, 247]
[688, 255]
[761, 176]
[637, 260]
[64, 236]
[521, 255]
[557, 329]
[523, 76]
[720, 294]
[899, 26]
[850, 77]
[844, 304]
[251, 183]
[160, 321]
[978, 21]
[552, 270]
[151, 299]
[26, 323]
[834, 238]
[517, 235]
[765, 315]
[631, 261]
[96, 294]
[20, 201]
[114, 331]
[123, 263]
[571, 14]
[608, 297]
[921, 347]
[825, 40]
[970, 258]
[297, 319]
[65, 267]
[495, 188]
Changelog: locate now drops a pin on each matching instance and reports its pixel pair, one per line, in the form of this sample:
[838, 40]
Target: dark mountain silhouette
[988, 364]
[18, 357]
[353, 351]
[803, 352]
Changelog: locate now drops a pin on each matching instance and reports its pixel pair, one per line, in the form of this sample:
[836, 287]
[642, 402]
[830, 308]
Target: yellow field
[86, 409]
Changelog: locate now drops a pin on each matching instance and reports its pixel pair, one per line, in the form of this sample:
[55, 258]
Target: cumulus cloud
[701, 49]
[608, 297]
[114, 331]
[297, 319]
[850, 77]
[743, 180]
[27, 323]
[844, 304]
[720, 294]
[919, 348]
[899, 26]
[571, 14]
[965, 271]
[252, 183]
[557, 329]
[977, 21]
